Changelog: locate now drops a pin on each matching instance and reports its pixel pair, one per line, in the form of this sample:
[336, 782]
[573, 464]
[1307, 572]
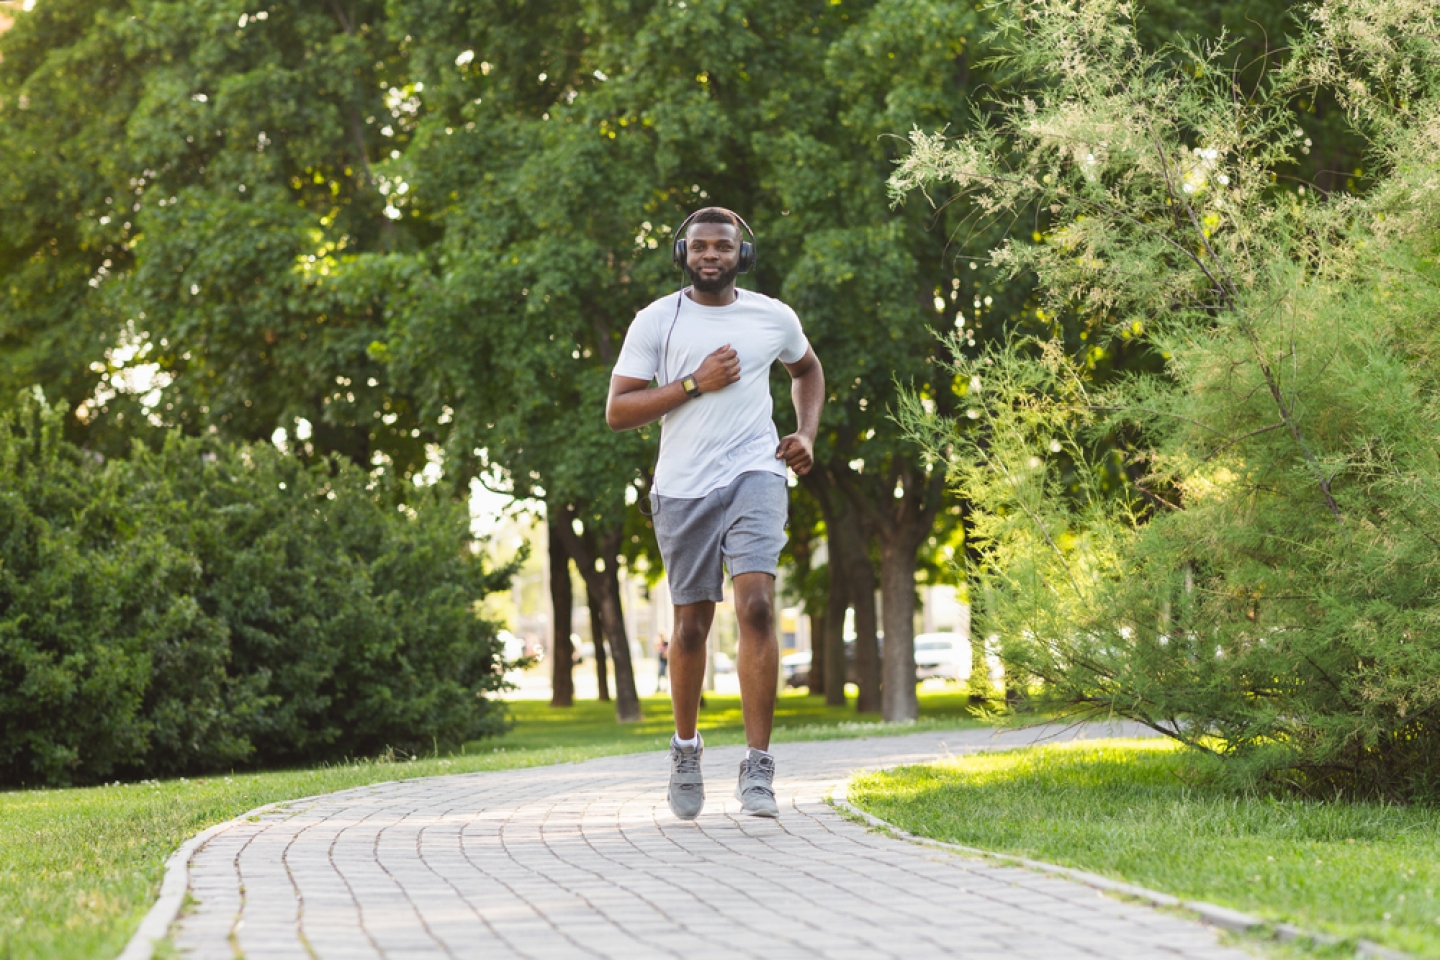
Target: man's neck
[723, 298]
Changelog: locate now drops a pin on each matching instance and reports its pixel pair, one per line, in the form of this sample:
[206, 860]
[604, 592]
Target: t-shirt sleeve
[794, 344]
[640, 354]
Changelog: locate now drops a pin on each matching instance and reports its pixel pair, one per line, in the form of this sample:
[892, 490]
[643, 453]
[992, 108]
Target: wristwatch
[691, 387]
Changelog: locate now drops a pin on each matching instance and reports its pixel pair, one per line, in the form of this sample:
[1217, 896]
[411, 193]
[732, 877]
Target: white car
[945, 655]
[795, 668]
[513, 646]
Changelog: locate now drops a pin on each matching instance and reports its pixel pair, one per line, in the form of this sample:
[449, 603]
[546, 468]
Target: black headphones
[747, 247]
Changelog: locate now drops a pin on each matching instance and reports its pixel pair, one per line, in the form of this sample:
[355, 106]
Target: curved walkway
[584, 860]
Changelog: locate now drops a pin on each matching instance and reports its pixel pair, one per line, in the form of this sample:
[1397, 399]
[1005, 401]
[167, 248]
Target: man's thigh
[756, 510]
[690, 533]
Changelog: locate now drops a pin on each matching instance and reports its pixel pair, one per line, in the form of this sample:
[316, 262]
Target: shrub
[204, 606]
[1258, 576]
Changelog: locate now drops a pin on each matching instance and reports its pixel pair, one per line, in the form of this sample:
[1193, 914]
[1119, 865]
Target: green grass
[1132, 809]
[79, 868]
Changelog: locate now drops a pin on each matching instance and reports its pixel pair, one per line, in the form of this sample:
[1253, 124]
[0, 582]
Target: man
[720, 493]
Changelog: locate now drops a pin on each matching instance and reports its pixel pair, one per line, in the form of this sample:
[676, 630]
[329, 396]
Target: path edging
[176, 883]
[1210, 914]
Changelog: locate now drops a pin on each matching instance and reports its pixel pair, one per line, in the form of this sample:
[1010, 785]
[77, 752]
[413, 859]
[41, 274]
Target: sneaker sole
[760, 812]
[686, 816]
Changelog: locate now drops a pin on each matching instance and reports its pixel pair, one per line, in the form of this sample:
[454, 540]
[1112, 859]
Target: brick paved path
[584, 860]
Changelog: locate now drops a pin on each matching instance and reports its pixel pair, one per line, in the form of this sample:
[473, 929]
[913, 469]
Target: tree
[1259, 585]
[68, 84]
[212, 186]
[656, 109]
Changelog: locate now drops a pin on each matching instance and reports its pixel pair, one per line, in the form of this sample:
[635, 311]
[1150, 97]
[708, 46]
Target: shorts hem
[685, 599]
[739, 565]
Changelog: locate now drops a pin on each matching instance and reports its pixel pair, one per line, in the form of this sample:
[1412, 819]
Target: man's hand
[719, 370]
[797, 452]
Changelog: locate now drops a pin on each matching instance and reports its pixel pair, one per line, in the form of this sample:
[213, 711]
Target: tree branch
[1244, 436]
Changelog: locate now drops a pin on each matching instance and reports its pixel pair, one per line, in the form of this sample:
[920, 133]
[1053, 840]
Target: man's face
[712, 255]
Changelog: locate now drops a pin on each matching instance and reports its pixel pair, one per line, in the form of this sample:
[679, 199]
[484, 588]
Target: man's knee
[756, 613]
[692, 629]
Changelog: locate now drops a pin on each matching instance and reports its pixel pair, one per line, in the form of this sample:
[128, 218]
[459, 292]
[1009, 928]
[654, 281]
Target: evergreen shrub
[1241, 550]
[205, 606]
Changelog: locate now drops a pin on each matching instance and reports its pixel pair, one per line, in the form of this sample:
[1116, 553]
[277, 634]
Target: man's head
[713, 244]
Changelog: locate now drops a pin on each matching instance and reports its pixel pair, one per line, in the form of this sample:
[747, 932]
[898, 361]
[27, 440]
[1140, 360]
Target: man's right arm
[633, 402]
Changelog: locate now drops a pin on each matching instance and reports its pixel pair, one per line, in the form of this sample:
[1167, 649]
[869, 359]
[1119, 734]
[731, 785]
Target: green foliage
[1237, 550]
[557, 198]
[204, 606]
[194, 195]
[1135, 811]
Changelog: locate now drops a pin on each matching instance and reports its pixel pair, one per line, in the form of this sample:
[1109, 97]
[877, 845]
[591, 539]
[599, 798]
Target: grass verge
[79, 868]
[1132, 810]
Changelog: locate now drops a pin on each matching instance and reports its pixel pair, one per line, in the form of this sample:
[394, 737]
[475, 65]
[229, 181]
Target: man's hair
[717, 215]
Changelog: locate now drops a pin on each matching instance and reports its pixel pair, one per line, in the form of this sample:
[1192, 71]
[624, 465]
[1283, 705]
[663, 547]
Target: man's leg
[754, 536]
[758, 662]
[687, 664]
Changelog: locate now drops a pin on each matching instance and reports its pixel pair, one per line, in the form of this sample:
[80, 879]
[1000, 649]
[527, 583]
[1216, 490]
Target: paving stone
[584, 860]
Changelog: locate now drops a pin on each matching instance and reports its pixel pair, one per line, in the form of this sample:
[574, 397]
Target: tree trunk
[597, 640]
[612, 616]
[852, 571]
[897, 603]
[860, 579]
[900, 510]
[562, 602]
[593, 551]
[832, 639]
[802, 548]
[850, 551]
[816, 679]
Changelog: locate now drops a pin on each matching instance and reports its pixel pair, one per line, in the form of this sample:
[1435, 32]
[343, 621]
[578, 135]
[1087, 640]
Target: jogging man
[719, 495]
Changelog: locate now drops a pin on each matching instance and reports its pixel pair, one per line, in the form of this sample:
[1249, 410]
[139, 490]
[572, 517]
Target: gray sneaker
[687, 786]
[756, 791]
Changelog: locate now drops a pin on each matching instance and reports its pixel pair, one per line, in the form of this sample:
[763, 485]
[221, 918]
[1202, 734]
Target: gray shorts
[741, 526]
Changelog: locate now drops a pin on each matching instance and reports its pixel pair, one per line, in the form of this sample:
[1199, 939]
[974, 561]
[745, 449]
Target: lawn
[79, 868]
[1132, 810]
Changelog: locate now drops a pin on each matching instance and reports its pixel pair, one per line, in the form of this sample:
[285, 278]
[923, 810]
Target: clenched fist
[719, 370]
[797, 453]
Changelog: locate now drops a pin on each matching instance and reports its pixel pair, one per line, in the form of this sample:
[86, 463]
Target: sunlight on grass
[79, 868]
[1136, 810]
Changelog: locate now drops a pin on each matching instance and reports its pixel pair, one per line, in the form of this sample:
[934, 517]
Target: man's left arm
[807, 392]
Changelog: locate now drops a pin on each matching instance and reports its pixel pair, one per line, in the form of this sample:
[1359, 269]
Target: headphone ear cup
[679, 254]
[747, 256]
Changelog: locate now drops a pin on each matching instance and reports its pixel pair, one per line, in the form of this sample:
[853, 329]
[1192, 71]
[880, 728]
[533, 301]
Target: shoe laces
[760, 774]
[686, 762]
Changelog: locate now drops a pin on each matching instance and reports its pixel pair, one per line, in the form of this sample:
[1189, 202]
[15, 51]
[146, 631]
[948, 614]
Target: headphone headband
[680, 251]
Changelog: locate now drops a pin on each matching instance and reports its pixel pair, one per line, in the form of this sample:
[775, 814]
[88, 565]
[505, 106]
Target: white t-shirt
[709, 441]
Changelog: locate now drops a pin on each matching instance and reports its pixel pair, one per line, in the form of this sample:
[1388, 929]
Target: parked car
[513, 646]
[795, 668]
[944, 655]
